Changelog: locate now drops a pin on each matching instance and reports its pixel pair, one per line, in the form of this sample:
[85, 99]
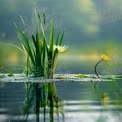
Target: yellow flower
[60, 49]
[105, 100]
[105, 57]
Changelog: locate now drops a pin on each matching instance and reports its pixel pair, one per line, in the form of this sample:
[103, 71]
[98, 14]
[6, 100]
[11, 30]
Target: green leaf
[44, 38]
[51, 37]
[27, 47]
[34, 41]
[44, 18]
[57, 39]
[16, 27]
[39, 17]
[61, 40]
[22, 20]
[37, 40]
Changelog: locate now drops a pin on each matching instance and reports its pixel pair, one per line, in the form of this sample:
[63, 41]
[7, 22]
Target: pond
[73, 99]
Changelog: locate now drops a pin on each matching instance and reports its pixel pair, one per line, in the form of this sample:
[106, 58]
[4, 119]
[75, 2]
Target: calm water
[79, 101]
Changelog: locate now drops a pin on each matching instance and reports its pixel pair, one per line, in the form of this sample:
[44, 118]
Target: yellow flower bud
[105, 100]
[105, 57]
[41, 42]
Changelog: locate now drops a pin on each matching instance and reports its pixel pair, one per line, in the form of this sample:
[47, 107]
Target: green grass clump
[40, 51]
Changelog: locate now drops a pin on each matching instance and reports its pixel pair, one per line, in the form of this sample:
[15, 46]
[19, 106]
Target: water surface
[79, 101]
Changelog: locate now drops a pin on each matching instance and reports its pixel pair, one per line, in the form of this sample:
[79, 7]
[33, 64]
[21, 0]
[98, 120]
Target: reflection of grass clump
[41, 56]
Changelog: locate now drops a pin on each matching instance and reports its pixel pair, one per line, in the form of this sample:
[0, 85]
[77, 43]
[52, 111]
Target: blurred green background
[92, 28]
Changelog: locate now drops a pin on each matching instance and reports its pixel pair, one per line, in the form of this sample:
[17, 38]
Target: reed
[41, 51]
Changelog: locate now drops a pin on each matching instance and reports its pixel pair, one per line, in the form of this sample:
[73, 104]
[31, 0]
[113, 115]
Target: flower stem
[95, 68]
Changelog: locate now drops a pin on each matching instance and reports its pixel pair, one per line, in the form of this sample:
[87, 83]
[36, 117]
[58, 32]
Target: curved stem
[95, 68]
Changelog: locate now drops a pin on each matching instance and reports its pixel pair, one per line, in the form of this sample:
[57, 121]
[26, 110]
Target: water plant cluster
[41, 51]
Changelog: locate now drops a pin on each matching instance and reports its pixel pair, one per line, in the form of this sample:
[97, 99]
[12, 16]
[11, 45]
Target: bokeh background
[92, 28]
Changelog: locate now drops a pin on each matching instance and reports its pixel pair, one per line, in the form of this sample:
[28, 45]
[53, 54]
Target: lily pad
[10, 74]
[81, 76]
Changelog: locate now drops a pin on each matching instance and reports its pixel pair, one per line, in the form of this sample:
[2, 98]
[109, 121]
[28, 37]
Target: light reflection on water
[79, 102]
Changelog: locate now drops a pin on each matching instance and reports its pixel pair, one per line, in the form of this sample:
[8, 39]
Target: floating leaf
[81, 76]
[11, 74]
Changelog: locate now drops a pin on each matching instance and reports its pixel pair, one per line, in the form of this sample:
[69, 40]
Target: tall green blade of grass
[57, 39]
[28, 47]
[38, 56]
[45, 50]
[22, 36]
[34, 40]
[61, 40]
[26, 44]
[51, 44]
[43, 29]
[44, 37]
[53, 63]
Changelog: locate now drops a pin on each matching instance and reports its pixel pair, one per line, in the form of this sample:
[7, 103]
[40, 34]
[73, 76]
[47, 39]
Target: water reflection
[61, 101]
[42, 98]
